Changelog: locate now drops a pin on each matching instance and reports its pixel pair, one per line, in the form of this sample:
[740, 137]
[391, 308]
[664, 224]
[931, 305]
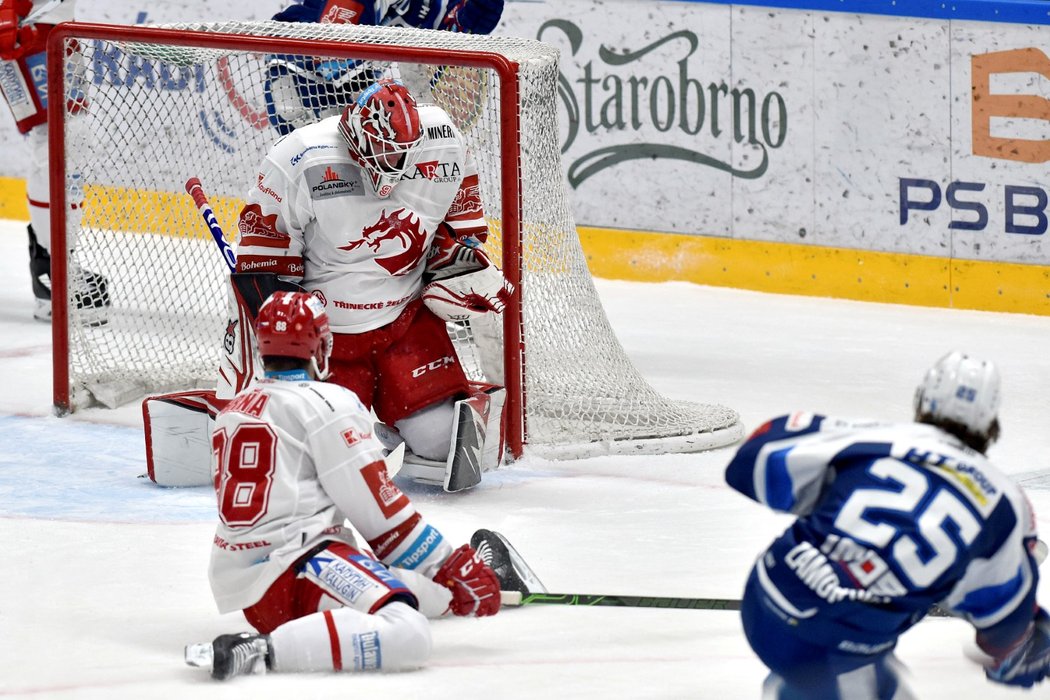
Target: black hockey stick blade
[513, 573]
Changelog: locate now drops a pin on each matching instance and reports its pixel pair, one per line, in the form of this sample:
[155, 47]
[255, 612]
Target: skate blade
[199, 655]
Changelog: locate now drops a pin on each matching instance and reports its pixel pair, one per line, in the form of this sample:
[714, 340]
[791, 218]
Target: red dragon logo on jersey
[398, 236]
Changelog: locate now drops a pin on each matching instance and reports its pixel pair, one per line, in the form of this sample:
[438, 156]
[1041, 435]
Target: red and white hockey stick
[195, 190]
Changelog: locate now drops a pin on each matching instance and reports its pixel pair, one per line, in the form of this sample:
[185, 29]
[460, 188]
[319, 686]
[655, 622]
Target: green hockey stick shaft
[514, 599]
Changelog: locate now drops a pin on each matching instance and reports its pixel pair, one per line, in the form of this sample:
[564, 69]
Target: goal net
[156, 105]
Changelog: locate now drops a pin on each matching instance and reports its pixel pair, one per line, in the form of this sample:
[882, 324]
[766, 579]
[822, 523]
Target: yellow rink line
[781, 268]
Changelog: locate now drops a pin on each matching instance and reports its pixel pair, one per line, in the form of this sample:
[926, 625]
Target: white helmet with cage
[961, 389]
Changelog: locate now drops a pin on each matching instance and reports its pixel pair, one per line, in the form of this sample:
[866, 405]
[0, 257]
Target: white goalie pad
[178, 431]
[476, 443]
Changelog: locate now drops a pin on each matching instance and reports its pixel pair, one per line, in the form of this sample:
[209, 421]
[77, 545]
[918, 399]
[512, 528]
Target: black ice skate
[232, 655]
[90, 290]
[511, 570]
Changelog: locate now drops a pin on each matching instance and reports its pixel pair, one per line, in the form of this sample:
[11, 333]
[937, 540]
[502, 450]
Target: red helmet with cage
[383, 133]
[294, 324]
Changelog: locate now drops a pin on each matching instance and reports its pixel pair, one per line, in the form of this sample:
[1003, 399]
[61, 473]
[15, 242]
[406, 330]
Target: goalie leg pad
[178, 430]
[461, 468]
[476, 443]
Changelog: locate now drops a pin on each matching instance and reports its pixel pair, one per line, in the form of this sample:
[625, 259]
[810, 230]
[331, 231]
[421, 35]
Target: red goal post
[167, 103]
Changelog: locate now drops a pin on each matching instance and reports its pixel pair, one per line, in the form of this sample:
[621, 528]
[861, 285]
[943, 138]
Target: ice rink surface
[104, 575]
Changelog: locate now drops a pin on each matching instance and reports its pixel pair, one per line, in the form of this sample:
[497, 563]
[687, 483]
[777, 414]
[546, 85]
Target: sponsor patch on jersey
[267, 190]
[292, 266]
[442, 131]
[368, 652]
[294, 160]
[345, 580]
[15, 90]
[334, 180]
[37, 66]
[352, 436]
[379, 571]
[258, 229]
[388, 496]
[435, 171]
[419, 550]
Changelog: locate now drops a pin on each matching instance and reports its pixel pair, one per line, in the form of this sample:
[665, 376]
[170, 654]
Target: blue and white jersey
[892, 519]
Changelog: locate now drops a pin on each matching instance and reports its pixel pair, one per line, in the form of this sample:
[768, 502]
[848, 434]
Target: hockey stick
[195, 190]
[521, 586]
[514, 599]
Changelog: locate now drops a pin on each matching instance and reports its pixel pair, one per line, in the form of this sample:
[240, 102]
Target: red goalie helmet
[294, 324]
[382, 132]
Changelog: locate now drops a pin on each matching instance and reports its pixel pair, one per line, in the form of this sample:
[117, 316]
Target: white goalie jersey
[313, 218]
[292, 462]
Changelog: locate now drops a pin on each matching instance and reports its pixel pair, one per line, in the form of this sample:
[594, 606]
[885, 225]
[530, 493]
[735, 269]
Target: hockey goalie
[377, 213]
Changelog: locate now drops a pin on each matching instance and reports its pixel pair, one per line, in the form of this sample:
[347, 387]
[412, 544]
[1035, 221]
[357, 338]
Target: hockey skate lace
[244, 657]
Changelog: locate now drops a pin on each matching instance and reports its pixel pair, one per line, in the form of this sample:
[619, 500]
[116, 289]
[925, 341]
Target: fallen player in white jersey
[294, 460]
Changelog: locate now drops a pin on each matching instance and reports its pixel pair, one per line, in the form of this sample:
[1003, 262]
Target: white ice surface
[103, 576]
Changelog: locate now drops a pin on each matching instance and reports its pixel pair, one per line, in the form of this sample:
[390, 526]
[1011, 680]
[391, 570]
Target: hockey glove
[1029, 661]
[473, 16]
[474, 586]
[468, 295]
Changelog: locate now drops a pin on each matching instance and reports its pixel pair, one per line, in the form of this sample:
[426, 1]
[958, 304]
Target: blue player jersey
[892, 519]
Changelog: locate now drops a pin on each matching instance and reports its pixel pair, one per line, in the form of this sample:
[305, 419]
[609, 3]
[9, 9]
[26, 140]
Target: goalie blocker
[178, 425]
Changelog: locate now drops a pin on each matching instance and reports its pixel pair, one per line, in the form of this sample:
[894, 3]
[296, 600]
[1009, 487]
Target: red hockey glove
[474, 586]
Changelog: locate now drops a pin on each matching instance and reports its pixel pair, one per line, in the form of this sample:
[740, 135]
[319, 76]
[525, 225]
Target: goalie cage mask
[383, 133]
[294, 324]
[961, 389]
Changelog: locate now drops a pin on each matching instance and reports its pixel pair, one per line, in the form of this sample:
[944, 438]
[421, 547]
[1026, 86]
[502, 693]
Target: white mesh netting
[160, 113]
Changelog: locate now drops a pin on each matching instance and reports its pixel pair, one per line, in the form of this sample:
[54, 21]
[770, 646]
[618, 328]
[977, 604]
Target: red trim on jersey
[38, 203]
[333, 640]
[386, 543]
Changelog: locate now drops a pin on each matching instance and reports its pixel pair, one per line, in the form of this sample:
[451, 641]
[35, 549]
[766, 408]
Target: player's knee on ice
[427, 431]
[395, 638]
